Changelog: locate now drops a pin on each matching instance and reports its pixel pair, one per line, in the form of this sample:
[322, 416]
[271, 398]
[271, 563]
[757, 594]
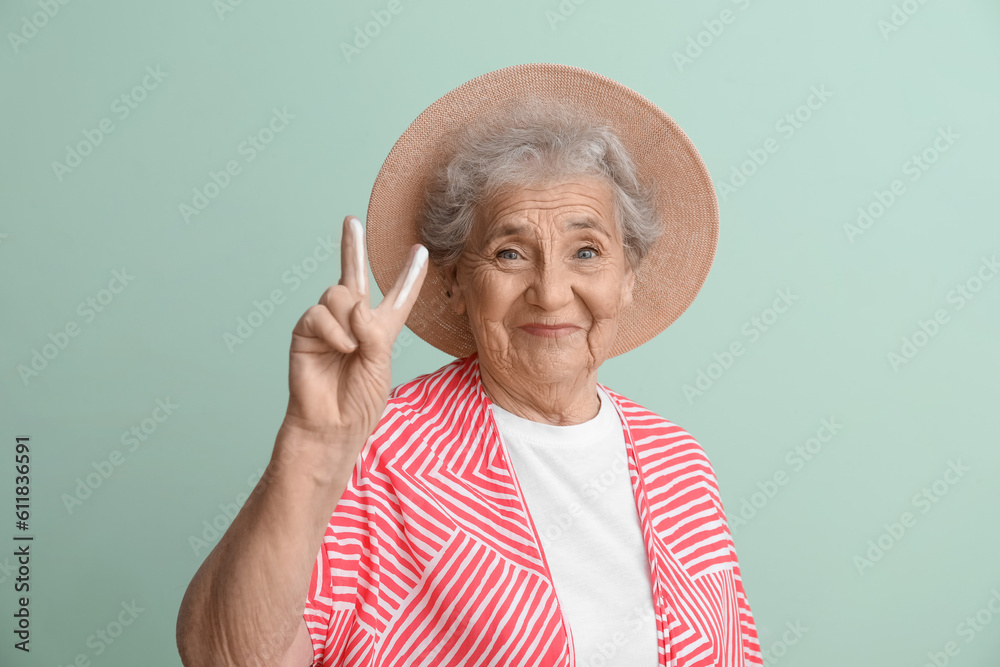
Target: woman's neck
[560, 403]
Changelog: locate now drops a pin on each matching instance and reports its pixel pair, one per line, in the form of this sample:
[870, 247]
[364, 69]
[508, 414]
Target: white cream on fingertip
[418, 263]
[359, 256]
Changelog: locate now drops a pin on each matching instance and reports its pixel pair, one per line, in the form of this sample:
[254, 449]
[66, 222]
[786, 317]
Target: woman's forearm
[244, 605]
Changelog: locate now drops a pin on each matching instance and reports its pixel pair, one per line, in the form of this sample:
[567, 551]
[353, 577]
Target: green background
[826, 357]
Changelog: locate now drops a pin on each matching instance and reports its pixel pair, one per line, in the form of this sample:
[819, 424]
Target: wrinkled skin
[531, 260]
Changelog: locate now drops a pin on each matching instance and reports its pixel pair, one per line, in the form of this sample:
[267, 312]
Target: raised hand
[339, 372]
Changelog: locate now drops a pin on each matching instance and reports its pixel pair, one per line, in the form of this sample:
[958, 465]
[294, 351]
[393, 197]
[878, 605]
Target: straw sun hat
[668, 278]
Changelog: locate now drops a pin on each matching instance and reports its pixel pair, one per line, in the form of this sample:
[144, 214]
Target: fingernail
[418, 263]
[359, 256]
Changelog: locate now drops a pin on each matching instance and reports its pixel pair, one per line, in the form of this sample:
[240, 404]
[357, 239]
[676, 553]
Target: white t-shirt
[576, 485]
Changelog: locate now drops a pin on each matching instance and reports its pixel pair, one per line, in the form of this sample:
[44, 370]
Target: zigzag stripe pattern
[431, 556]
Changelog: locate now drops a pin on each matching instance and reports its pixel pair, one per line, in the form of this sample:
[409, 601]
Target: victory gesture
[339, 373]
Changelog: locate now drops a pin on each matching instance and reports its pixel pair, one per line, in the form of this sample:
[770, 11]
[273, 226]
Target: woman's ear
[628, 285]
[453, 292]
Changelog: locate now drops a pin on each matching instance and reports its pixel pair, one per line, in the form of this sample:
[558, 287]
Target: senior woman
[506, 509]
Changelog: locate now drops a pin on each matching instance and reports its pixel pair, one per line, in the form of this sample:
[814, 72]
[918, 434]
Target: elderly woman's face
[543, 279]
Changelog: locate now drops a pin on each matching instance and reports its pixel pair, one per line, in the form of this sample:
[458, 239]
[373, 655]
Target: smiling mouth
[548, 330]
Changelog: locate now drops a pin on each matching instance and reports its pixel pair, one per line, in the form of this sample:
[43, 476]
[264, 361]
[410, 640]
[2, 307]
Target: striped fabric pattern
[431, 556]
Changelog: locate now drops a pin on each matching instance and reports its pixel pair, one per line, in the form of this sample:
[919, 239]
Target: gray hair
[533, 143]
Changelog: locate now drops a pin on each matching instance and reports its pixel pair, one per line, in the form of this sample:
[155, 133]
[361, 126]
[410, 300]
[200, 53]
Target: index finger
[353, 259]
[399, 300]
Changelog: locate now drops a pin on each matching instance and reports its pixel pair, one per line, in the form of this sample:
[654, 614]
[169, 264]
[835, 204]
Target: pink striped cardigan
[431, 557]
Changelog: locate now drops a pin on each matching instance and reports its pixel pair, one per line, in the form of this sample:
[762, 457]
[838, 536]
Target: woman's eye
[507, 254]
[586, 253]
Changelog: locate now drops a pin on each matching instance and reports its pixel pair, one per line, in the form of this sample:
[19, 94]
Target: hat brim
[669, 277]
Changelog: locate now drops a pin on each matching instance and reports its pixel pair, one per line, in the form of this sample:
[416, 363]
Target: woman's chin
[548, 361]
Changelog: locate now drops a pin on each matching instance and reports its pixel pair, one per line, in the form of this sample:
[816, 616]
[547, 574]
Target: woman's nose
[550, 287]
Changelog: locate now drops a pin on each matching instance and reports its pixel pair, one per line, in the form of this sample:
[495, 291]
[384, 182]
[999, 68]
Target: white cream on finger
[411, 276]
[359, 256]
